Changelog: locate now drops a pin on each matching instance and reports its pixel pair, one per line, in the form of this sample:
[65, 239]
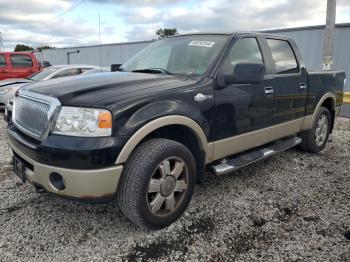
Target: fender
[310, 119]
[161, 122]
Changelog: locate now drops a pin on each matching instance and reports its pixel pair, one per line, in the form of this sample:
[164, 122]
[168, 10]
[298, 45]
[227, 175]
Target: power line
[46, 22]
[57, 16]
[65, 12]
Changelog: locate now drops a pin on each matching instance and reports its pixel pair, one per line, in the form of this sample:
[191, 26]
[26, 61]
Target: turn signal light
[105, 120]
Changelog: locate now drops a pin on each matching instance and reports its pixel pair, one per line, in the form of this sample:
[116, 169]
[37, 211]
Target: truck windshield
[189, 55]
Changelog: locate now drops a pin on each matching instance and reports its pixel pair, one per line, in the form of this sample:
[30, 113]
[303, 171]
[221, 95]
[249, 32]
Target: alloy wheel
[167, 186]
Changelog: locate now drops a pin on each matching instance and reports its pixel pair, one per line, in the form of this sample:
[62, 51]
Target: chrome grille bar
[34, 113]
[31, 115]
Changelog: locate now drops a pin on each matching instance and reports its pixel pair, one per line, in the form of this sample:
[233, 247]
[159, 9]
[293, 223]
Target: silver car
[9, 87]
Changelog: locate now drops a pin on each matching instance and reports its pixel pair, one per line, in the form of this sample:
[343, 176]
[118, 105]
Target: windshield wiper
[152, 71]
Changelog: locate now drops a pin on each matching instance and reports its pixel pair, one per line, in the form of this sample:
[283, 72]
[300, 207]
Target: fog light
[57, 181]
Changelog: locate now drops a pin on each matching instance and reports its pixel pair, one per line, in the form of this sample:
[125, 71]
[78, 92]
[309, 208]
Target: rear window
[83, 70]
[2, 61]
[21, 61]
[68, 72]
[283, 56]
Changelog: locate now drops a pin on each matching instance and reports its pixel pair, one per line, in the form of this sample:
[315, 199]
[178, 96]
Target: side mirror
[115, 67]
[245, 73]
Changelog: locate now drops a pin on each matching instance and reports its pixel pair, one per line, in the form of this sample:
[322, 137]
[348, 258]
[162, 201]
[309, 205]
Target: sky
[62, 23]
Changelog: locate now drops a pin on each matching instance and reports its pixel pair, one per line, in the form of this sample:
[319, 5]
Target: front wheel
[315, 139]
[157, 183]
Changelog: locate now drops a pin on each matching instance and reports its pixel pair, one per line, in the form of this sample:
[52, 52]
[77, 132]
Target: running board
[244, 159]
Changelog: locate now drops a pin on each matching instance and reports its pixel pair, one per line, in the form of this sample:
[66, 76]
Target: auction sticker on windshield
[201, 43]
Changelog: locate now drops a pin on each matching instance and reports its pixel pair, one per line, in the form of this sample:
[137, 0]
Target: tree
[20, 47]
[44, 47]
[166, 32]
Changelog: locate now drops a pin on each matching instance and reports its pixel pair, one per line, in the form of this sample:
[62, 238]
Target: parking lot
[293, 207]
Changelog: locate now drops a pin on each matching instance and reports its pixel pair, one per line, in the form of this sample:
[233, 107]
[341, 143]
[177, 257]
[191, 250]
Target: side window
[283, 56]
[21, 61]
[68, 72]
[2, 61]
[83, 70]
[245, 50]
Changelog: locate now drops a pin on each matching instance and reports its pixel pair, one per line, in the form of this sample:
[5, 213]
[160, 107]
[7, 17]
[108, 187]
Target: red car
[18, 64]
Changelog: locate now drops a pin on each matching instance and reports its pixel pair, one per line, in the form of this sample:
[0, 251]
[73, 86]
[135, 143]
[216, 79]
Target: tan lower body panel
[85, 184]
[240, 143]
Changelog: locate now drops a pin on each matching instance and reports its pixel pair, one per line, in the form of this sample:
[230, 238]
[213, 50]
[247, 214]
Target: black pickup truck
[182, 108]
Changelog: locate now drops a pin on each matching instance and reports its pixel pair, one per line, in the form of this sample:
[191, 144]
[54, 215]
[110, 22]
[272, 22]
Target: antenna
[99, 37]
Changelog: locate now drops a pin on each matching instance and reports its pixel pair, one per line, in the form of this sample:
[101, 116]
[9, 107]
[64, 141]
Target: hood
[13, 81]
[106, 88]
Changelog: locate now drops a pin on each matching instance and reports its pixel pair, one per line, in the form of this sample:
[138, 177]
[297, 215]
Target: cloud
[139, 2]
[36, 23]
[228, 15]
[141, 33]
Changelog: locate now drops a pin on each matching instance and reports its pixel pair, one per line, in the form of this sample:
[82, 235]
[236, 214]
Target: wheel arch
[160, 123]
[328, 100]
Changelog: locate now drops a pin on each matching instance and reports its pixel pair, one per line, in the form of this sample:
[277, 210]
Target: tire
[151, 178]
[311, 140]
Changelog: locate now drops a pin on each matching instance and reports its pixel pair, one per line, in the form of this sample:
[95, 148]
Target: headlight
[78, 121]
[4, 91]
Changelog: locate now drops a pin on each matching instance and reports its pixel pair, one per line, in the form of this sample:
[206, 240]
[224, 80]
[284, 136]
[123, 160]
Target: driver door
[242, 108]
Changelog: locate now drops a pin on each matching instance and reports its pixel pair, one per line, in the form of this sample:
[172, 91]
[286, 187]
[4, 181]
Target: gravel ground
[291, 207]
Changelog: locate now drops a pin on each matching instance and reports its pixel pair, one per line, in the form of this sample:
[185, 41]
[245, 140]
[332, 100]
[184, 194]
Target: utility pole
[329, 34]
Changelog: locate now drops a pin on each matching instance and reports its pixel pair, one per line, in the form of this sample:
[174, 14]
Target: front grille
[31, 115]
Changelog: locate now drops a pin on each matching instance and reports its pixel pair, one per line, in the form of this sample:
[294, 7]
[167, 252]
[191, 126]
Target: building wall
[109, 54]
[309, 40]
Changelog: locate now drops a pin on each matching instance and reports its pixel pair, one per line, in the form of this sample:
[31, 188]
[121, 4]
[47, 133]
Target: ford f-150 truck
[182, 108]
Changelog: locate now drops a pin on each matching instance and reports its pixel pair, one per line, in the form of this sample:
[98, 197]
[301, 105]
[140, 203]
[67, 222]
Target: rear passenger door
[289, 81]
[22, 65]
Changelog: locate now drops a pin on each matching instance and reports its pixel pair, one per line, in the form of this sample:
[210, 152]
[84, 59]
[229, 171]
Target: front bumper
[86, 184]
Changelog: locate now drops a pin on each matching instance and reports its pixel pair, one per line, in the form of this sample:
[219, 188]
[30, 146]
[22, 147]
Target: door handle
[200, 97]
[302, 86]
[269, 90]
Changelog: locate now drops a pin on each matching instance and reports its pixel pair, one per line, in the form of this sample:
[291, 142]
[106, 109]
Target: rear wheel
[315, 139]
[157, 183]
